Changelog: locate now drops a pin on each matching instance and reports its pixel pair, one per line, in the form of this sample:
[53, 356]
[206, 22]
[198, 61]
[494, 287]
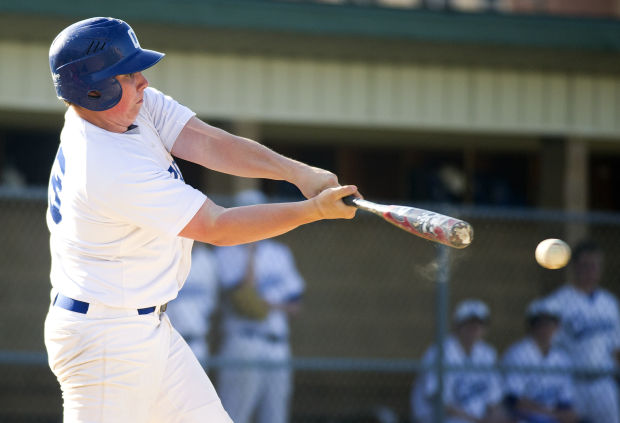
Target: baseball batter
[590, 333]
[539, 396]
[122, 223]
[470, 395]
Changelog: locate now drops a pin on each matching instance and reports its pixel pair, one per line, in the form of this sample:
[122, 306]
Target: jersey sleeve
[429, 383]
[231, 265]
[558, 300]
[496, 388]
[514, 380]
[134, 189]
[291, 285]
[168, 116]
[614, 339]
[566, 395]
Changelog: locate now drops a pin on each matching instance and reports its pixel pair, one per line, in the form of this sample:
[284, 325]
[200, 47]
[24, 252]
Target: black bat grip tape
[348, 200]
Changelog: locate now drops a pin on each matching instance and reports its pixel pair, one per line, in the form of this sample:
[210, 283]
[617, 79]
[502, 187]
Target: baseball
[552, 253]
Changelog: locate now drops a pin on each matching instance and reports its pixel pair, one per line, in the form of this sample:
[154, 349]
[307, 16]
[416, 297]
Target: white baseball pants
[114, 365]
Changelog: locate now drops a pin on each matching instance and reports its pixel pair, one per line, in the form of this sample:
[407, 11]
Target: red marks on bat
[420, 224]
[430, 225]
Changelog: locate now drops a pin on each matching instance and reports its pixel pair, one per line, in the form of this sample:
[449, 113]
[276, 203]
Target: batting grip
[348, 200]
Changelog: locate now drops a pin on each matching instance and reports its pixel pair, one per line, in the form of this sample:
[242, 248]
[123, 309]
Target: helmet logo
[133, 37]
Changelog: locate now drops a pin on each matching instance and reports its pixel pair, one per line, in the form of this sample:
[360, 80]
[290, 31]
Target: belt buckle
[163, 307]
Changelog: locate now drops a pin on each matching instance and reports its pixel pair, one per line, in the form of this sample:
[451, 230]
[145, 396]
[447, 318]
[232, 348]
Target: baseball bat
[426, 224]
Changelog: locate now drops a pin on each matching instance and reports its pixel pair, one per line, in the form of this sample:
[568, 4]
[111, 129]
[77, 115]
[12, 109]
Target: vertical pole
[441, 325]
[576, 181]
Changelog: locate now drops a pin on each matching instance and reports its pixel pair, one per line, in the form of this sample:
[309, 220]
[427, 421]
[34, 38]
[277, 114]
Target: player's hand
[330, 205]
[313, 180]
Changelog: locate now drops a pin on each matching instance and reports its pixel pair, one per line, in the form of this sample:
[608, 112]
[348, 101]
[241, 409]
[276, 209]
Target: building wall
[358, 94]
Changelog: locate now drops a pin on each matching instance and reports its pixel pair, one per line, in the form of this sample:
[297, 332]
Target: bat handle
[348, 200]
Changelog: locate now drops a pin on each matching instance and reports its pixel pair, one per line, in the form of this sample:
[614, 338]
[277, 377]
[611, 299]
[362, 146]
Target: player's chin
[133, 114]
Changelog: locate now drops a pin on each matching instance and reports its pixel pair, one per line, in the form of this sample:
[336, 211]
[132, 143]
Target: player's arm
[216, 149]
[217, 225]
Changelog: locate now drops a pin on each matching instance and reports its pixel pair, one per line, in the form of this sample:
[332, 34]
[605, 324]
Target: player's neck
[587, 289]
[544, 344]
[467, 344]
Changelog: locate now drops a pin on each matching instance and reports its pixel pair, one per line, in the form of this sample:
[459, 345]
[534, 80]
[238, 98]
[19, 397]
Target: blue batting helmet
[86, 56]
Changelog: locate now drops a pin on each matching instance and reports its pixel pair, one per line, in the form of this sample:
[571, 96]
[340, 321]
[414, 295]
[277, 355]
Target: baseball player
[122, 223]
[268, 268]
[539, 396]
[590, 334]
[470, 395]
[190, 312]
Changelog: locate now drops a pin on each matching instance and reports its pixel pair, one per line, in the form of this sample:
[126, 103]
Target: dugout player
[539, 396]
[470, 395]
[190, 312]
[590, 333]
[262, 288]
[122, 223]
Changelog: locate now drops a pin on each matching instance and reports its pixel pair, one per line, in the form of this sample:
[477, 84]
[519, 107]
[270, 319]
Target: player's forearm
[240, 225]
[216, 149]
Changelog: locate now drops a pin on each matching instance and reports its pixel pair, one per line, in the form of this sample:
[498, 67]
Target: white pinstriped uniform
[116, 204]
[590, 334]
[548, 389]
[471, 391]
[265, 392]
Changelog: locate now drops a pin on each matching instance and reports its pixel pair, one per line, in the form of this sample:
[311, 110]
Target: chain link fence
[376, 298]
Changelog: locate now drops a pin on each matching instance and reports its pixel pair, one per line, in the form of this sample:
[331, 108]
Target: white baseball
[552, 253]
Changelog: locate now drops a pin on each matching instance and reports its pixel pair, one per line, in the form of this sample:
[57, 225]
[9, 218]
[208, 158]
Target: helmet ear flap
[102, 95]
[96, 96]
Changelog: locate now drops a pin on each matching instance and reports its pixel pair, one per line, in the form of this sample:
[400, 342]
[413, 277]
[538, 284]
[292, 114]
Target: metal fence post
[441, 325]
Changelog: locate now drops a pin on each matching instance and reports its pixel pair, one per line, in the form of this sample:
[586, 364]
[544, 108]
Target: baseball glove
[248, 303]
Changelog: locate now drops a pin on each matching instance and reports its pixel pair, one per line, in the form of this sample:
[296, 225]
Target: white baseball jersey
[117, 202]
[276, 278]
[590, 326]
[549, 389]
[472, 391]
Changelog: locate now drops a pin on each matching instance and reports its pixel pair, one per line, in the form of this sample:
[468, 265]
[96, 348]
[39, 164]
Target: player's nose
[142, 81]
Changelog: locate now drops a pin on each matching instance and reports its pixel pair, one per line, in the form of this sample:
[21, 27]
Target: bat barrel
[426, 224]
[433, 226]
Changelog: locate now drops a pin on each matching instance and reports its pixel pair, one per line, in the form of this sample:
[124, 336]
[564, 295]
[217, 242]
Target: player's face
[126, 111]
[471, 331]
[545, 328]
[588, 270]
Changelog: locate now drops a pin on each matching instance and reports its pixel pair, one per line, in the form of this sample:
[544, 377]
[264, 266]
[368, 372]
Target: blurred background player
[539, 397]
[590, 333]
[191, 310]
[469, 395]
[261, 288]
